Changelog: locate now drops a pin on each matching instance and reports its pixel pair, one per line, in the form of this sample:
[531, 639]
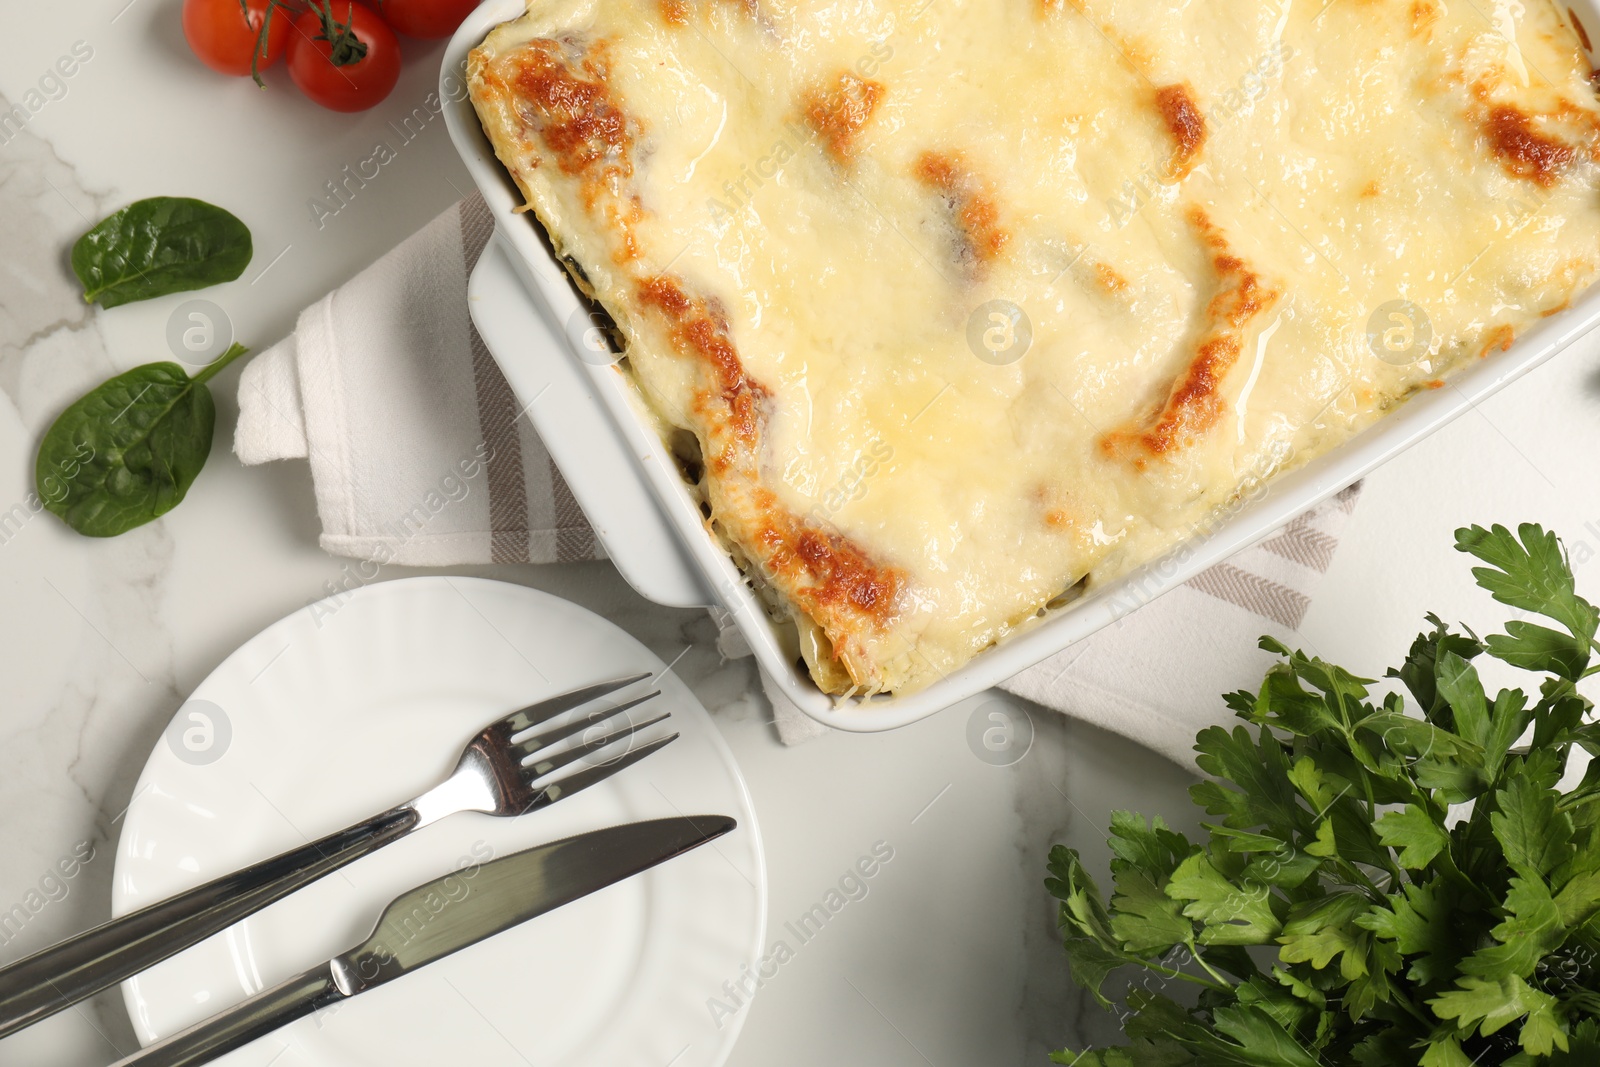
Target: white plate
[351, 705]
[638, 546]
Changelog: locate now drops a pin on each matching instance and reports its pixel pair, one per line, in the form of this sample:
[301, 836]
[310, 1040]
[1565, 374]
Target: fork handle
[63, 974]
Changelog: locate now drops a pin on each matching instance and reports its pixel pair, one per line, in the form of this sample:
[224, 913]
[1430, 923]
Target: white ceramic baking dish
[631, 490]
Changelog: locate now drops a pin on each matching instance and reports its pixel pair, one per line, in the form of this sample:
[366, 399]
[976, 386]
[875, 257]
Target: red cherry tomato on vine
[224, 40]
[343, 56]
[425, 18]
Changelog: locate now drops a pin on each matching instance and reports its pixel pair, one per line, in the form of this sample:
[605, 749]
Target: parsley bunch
[1379, 888]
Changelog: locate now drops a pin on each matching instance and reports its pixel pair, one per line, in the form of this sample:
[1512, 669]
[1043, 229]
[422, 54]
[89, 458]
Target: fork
[497, 774]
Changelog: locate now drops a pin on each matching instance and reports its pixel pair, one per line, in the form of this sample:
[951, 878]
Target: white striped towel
[419, 458]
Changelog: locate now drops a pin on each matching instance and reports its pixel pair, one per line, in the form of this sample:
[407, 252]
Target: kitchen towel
[421, 456]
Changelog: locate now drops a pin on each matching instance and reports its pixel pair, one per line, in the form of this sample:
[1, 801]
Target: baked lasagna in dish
[952, 311]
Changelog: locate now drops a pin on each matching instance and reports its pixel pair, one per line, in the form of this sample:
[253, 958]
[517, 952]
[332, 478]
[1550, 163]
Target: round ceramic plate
[364, 700]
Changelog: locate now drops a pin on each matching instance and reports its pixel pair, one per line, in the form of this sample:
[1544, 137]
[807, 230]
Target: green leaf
[1150, 848]
[1300, 1016]
[1374, 988]
[1488, 1005]
[1262, 1040]
[1355, 833]
[1283, 702]
[1415, 833]
[1390, 1046]
[1233, 915]
[1091, 947]
[127, 452]
[1533, 575]
[1285, 868]
[1531, 931]
[1536, 838]
[1507, 720]
[1414, 738]
[1455, 781]
[158, 246]
[1583, 1047]
[1560, 712]
[1459, 686]
[1324, 845]
[1312, 784]
[1319, 931]
[1144, 920]
[1419, 670]
[1237, 1035]
[1538, 648]
[1445, 1052]
[1579, 899]
[1420, 922]
[1544, 1030]
[1259, 770]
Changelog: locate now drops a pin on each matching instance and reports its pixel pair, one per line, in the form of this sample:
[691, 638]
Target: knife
[440, 917]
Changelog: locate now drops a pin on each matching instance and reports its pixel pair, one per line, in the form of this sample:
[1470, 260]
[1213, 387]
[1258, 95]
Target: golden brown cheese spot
[1195, 403]
[841, 111]
[576, 116]
[674, 12]
[1109, 279]
[1370, 190]
[971, 204]
[1497, 340]
[843, 575]
[831, 578]
[1184, 123]
[696, 331]
[1424, 13]
[570, 107]
[1523, 151]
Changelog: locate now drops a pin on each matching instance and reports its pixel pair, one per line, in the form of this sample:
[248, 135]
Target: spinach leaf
[127, 452]
[158, 246]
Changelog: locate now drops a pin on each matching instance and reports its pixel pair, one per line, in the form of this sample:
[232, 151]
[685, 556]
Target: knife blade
[441, 917]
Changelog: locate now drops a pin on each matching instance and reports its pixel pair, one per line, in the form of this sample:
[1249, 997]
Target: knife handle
[242, 1023]
[63, 974]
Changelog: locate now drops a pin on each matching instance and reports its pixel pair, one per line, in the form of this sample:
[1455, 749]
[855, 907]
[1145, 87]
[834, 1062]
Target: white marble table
[951, 960]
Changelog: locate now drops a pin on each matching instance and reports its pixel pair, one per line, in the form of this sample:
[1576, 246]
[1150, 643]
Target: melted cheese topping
[971, 305]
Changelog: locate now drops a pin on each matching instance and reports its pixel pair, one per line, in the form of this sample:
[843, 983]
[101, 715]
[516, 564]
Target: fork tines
[532, 752]
[527, 718]
[580, 780]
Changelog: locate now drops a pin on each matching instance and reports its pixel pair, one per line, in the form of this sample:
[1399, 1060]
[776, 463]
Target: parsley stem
[1221, 985]
[1222, 982]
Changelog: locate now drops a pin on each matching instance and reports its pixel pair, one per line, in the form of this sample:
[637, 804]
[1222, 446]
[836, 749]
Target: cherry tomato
[425, 18]
[343, 56]
[225, 41]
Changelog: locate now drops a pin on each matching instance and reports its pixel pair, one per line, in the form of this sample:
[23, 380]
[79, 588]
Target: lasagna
[953, 311]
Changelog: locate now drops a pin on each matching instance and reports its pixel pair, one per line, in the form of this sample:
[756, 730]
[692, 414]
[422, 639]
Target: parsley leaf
[1533, 575]
[1416, 833]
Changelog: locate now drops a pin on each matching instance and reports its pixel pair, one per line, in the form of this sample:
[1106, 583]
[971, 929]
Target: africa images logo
[999, 332]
